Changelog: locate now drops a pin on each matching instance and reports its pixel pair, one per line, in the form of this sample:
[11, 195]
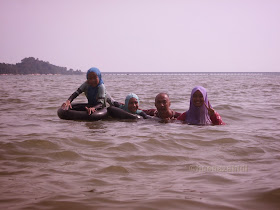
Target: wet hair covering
[92, 91]
[97, 72]
[198, 115]
[128, 97]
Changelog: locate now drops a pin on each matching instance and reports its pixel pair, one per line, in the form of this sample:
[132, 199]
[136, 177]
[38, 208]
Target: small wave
[168, 158]
[13, 172]
[58, 202]
[98, 182]
[163, 158]
[225, 141]
[245, 152]
[219, 141]
[191, 200]
[34, 159]
[40, 144]
[11, 203]
[14, 101]
[124, 147]
[151, 166]
[154, 143]
[270, 196]
[94, 144]
[114, 169]
[228, 107]
[213, 178]
[261, 199]
[64, 155]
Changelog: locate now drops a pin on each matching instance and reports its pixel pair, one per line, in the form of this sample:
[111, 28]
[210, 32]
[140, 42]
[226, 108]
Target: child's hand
[66, 105]
[211, 111]
[90, 110]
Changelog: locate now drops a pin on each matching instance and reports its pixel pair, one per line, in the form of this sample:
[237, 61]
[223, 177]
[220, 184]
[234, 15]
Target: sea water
[50, 163]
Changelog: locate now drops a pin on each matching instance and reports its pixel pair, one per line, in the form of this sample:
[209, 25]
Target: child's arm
[78, 92]
[74, 95]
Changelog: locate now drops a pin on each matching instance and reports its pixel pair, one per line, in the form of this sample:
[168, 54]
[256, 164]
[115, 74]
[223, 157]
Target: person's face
[93, 79]
[162, 103]
[198, 99]
[133, 105]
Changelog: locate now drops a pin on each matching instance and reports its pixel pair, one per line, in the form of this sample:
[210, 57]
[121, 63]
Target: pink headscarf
[198, 115]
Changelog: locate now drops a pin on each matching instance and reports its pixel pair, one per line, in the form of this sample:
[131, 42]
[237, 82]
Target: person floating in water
[94, 90]
[163, 111]
[131, 105]
[200, 111]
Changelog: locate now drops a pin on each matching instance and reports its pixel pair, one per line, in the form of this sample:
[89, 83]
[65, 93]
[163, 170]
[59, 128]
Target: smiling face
[197, 99]
[133, 105]
[162, 102]
[93, 79]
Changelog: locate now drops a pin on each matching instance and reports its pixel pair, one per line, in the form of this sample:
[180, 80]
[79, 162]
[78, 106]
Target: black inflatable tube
[78, 112]
[116, 112]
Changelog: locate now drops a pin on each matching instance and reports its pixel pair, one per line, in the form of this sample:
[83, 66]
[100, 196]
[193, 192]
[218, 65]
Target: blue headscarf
[93, 91]
[198, 115]
[128, 97]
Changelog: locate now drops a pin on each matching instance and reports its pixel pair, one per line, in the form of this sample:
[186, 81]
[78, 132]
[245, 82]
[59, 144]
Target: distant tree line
[34, 66]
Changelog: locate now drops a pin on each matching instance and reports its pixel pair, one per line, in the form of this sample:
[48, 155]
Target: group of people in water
[200, 111]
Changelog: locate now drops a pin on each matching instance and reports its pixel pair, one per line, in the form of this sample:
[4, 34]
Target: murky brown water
[49, 163]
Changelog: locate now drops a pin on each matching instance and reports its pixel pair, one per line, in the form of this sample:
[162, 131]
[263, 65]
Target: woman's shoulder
[182, 117]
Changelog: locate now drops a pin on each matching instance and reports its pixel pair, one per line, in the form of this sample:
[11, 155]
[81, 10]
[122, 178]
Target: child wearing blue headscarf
[131, 105]
[94, 90]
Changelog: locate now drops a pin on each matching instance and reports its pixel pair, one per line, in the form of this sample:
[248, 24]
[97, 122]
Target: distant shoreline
[169, 73]
[30, 65]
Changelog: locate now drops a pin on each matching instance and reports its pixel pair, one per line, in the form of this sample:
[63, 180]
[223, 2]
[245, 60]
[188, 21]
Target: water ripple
[49, 163]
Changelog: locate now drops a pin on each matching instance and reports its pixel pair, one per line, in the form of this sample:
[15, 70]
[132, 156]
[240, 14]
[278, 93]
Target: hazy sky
[144, 35]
